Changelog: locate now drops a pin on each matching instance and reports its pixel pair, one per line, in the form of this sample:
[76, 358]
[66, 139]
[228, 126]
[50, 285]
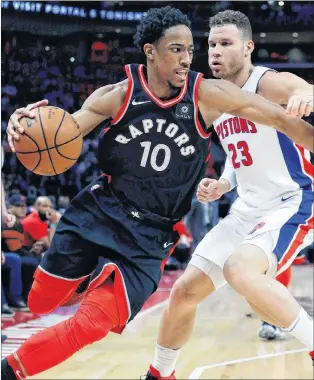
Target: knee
[41, 301]
[30, 262]
[236, 273]
[97, 315]
[48, 292]
[13, 260]
[182, 295]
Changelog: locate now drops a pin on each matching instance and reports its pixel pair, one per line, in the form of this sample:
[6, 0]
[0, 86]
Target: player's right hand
[14, 128]
[209, 190]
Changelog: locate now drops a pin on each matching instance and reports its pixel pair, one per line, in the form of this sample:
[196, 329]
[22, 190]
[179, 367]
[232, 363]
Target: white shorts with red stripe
[281, 232]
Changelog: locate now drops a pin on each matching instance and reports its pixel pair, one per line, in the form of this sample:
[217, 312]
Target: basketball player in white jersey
[268, 224]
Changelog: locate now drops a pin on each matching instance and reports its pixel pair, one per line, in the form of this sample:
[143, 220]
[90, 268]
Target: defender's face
[226, 51]
[173, 55]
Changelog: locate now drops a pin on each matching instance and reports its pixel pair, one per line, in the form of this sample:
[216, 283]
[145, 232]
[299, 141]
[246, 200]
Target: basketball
[51, 142]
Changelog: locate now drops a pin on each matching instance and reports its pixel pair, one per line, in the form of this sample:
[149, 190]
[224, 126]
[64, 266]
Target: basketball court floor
[224, 344]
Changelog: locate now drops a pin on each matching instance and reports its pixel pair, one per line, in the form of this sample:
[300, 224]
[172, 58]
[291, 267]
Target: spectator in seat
[13, 240]
[41, 223]
[12, 263]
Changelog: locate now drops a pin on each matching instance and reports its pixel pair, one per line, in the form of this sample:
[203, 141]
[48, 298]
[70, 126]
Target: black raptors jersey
[155, 150]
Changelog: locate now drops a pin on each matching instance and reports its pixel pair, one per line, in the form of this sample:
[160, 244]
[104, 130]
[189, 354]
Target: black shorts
[100, 231]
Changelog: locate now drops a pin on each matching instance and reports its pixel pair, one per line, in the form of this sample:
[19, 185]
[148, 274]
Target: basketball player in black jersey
[153, 153]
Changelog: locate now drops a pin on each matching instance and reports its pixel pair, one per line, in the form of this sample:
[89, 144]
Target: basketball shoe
[153, 374]
[269, 332]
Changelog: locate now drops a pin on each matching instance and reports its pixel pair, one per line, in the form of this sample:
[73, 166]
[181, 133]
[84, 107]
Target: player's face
[227, 50]
[173, 54]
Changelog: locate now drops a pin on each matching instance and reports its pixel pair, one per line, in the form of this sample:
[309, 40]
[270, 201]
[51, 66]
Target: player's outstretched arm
[102, 104]
[288, 89]
[218, 96]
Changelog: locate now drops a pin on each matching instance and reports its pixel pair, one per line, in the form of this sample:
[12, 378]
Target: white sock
[302, 329]
[165, 360]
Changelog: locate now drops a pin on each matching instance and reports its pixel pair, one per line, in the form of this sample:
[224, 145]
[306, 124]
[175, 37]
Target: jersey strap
[128, 96]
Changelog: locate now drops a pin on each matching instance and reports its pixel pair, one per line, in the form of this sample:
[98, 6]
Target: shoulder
[116, 87]
[116, 92]
[267, 81]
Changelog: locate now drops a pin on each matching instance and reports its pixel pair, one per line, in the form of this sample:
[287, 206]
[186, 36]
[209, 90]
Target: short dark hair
[156, 21]
[239, 19]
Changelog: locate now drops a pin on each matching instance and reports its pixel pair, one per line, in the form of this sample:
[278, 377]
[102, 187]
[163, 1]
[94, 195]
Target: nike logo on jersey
[285, 199]
[135, 103]
[167, 245]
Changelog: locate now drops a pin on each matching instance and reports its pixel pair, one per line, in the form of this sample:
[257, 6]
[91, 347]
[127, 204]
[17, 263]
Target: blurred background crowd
[63, 51]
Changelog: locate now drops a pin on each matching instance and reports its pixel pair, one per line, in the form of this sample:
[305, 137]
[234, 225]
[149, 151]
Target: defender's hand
[14, 128]
[300, 105]
[209, 190]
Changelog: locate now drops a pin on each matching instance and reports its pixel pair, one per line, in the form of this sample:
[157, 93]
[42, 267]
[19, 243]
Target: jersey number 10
[240, 154]
[160, 148]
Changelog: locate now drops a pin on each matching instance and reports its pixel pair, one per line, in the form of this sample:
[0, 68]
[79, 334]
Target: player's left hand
[8, 219]
[300, 105]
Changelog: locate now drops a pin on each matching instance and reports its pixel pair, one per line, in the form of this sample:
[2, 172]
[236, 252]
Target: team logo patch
[184, 111]
[257, 227]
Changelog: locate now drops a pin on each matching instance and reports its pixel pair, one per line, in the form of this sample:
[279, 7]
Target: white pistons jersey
[269, 167]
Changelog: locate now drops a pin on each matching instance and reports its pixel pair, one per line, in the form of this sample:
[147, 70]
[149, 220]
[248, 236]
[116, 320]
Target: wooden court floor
[224, 344]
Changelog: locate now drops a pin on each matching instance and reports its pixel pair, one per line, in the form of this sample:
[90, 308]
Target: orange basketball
[51, 142]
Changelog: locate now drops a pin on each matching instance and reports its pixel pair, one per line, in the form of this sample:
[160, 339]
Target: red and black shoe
[312, 356]
[153, 374]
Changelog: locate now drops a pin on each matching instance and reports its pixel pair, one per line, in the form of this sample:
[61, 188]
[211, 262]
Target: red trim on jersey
[296, 242]
[155, 98]
[307, 166]
[209, 154]
[127, 98]
[109, 177]
[199, 127]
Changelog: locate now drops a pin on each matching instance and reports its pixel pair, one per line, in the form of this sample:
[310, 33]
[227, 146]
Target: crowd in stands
[22, 245]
